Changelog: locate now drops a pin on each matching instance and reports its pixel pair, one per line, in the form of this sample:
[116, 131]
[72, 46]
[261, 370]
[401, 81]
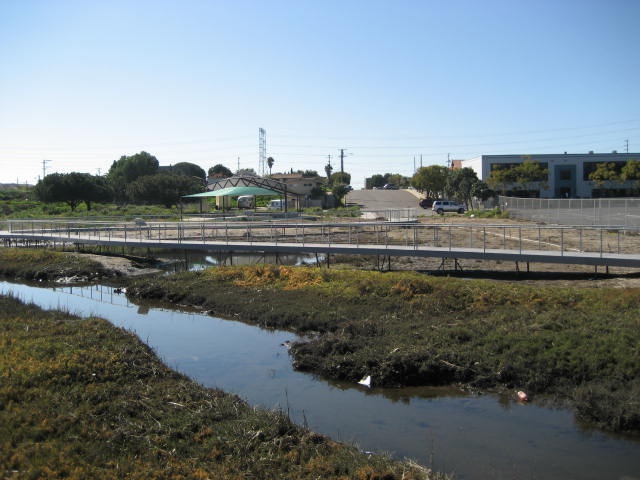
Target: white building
[568, 175]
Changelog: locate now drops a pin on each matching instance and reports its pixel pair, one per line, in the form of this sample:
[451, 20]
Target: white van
[277, 204]
[246, 201]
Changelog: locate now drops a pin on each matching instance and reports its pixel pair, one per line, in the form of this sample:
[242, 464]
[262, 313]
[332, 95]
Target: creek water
[473, 437]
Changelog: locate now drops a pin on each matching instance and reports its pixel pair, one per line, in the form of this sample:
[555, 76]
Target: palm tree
[270, 162]
[328, 169]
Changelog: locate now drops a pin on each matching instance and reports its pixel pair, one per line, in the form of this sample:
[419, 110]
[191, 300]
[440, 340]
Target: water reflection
[472, 436]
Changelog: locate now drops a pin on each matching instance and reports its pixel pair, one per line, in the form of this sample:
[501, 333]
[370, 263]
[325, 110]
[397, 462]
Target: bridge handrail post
[484, 239]
[580, 247]
[520, 240]
[539, 239]
[601, 242]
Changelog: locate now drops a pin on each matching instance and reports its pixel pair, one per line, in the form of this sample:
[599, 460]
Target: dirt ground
[122, 266]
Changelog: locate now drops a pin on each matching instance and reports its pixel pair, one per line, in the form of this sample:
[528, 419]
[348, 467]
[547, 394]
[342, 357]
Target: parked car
[390, 186]
[442, 206]
[246, 201]
[426, 203]
[277, 204]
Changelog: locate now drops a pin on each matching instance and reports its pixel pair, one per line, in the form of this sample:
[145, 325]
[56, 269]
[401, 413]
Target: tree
[96, 189]
[630, 170]
[220, 171]
[531, 171]
[500, 177]
[270, 162]
[340, 177]
[163, 188]
[460, 182]
[376, 181]
[431, 180]
[129, 169]
[190, 170]
[605, 171]
[328, 169]
[340, 191]
[481, 191]
[397, 179]
[73, 188]
[520, 175]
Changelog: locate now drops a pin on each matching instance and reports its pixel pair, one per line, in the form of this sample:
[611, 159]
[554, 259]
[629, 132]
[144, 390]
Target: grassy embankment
[48, 265]
[83, 399]
[403, 328]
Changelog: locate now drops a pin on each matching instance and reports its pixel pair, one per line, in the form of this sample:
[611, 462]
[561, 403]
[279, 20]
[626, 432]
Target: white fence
[615, 212]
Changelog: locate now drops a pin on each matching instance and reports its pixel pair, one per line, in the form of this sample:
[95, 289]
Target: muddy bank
[47, 265]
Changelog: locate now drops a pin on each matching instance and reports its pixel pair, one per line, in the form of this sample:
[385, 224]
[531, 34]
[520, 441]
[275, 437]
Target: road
[370, 200]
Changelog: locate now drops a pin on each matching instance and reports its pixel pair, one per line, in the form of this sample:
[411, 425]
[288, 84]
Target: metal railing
[484, 237]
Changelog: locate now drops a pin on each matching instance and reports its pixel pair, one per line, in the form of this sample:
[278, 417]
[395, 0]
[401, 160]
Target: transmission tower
[262, 151]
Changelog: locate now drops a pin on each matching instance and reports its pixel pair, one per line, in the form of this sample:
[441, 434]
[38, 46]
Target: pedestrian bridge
[588, 245]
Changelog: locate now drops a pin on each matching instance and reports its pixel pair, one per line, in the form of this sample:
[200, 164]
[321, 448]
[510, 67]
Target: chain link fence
[614, 212]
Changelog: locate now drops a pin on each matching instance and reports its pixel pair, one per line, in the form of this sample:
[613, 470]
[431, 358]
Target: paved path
[383, 199]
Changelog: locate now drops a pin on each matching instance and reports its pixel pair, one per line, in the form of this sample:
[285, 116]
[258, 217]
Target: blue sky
[85, 82]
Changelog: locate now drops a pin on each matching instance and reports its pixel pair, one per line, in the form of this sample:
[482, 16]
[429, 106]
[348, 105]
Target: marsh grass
[48, 265]
[404, 328]
[80, 398]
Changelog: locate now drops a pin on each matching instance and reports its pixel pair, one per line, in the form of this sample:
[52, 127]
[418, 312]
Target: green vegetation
[83, 399]
[580, 346]
[48, 265]
[403, 328]
[493, 213]
[26, 207]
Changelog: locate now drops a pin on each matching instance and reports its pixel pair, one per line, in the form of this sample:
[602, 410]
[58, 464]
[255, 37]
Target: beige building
[302, 187]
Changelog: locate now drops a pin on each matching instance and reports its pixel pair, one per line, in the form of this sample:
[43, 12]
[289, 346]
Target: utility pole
[342, 160]
[44, 168]
[626, 146]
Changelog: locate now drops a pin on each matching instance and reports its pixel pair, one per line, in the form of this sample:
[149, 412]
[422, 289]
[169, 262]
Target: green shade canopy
[234, 192]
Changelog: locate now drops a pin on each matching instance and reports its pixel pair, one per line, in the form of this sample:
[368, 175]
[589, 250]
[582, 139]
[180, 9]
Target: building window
[565, 174]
